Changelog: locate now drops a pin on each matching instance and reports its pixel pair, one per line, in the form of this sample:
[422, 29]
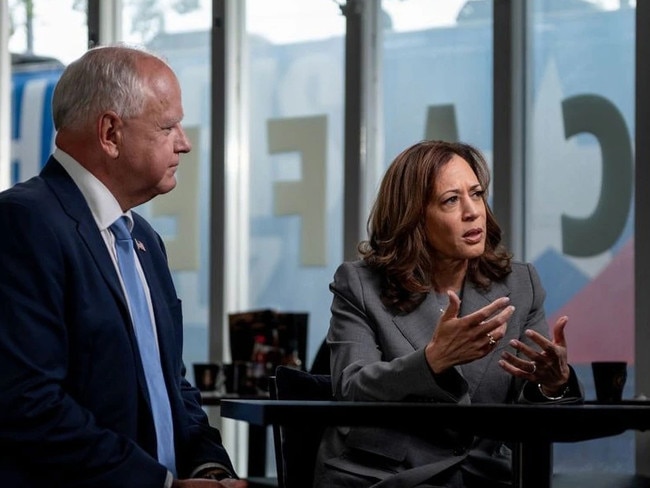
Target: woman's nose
[470, 207]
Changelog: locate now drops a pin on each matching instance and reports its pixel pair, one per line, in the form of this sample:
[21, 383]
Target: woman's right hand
[460, 340]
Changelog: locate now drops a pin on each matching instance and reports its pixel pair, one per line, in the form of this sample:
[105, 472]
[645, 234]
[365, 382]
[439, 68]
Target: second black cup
[609, 380]
[205, 376]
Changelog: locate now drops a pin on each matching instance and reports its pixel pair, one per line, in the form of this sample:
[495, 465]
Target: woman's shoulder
[355, 271]
[352, 265]
[520, 266]
[522, 271]
[350, 268]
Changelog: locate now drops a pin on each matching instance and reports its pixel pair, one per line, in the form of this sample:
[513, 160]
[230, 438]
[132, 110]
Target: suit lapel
[77, 209]
[143, 250]
[473, 299]
[147, 250]
[418, 326]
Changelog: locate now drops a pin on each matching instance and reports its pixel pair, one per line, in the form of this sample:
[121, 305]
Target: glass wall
[35, 24]
[295, 78]
[579, 192]
[437, 74]
[37, 62]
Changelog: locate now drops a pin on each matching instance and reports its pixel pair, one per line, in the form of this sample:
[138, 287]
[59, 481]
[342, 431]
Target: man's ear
[110, 133]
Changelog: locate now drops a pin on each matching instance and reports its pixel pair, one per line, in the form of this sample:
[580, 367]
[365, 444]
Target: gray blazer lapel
[473, 299]
[418, 326]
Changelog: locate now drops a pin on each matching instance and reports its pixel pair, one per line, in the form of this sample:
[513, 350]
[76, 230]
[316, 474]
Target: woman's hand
[547, 366]
[459, 340]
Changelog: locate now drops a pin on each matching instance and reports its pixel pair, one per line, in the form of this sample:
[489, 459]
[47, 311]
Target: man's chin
[167, 185]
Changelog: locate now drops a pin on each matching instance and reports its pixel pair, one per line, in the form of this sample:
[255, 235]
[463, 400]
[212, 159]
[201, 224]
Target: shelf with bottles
[266, 339]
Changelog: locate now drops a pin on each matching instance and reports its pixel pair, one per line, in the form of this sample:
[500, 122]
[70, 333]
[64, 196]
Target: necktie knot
[120, 229]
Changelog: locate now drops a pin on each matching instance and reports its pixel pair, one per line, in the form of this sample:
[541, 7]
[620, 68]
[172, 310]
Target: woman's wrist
[559, 395]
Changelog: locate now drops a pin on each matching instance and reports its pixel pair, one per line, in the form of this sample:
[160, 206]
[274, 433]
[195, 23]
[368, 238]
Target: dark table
[257, 436]
[533, 428]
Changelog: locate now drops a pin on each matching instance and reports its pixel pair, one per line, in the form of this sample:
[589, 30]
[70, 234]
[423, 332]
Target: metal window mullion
[641, 227]
[509, 120]
[353, 125]
[5, 98]
[104, 22]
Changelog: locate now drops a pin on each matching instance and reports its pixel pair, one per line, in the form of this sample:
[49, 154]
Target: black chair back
[296, 447]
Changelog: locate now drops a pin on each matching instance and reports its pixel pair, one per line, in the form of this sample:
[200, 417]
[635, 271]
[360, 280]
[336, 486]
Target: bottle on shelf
[292, 358]
[275, 352]
[258, 364]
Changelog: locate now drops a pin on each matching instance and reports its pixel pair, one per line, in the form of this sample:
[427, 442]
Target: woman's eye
[450, 200]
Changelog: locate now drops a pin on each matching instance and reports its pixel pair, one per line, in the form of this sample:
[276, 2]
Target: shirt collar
[102, 203]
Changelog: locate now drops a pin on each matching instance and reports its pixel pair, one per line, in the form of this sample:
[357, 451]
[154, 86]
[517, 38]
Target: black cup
[205, 376]
[609, 379]
[236, 377]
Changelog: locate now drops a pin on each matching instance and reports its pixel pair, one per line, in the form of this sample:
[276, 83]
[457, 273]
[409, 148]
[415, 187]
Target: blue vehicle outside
[32, 130]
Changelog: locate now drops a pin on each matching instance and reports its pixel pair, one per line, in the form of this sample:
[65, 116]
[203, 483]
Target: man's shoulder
[30, 196]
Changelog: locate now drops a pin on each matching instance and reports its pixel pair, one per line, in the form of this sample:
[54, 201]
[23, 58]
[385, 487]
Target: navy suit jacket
[73, 398]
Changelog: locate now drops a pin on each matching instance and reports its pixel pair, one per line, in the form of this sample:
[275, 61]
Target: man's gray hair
[104, 78]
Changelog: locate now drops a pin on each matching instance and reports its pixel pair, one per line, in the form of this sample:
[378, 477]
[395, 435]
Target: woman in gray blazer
[436, 310]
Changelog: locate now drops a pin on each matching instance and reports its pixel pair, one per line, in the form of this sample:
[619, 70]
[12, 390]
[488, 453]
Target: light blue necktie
[147, 344]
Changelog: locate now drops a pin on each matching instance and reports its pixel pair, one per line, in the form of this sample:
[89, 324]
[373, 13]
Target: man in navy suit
[74, 404]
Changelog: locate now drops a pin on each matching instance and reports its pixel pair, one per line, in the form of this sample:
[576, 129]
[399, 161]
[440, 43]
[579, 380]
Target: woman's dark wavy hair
[398, 247]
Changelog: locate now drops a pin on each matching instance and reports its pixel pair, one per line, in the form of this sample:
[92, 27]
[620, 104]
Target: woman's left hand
[547, 366]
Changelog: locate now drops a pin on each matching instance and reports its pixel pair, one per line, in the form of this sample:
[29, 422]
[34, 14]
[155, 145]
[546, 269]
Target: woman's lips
[473, 236]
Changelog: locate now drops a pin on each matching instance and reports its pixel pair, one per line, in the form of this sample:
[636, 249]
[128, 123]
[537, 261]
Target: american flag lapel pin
[140, 246]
